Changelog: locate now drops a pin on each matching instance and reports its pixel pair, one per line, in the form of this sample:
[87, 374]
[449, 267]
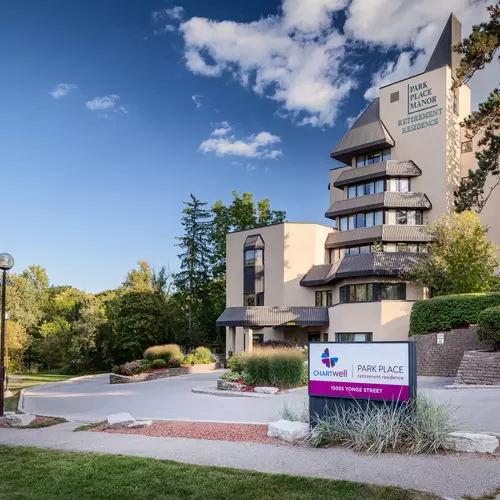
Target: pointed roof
[443, 52]
[368, 132]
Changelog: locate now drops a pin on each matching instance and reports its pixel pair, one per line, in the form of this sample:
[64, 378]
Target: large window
[374, 157]
[253, 299]
[353, 337]
[371, 292]
[324, 298]
[398, 185]
[365, 189]
[367, 219]
[254, 257]
[406, 247]
[404, 217]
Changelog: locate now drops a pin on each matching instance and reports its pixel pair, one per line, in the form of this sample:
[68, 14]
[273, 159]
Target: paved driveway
[93, 398]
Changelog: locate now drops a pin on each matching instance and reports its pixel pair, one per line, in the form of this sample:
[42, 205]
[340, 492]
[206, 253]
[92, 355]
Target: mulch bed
[198, 430]
[38, 420]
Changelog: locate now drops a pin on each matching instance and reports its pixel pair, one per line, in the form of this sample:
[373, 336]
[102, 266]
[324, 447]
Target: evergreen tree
[478, 50]
[192, 281]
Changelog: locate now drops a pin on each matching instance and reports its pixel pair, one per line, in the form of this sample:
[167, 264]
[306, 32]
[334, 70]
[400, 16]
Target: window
[467, 147]
[257, 338]
[406, 247]
[364, 189]
[374, 157]
[369, 292]
[404, 217]
[353, 337]
[379, 186]
[324, 298]
[253, 299]
[351, 192]
[398, 185]
[367, 219]
[314, 337]
[394, 97]
[369, 188]
[360, 190]
[254, 258]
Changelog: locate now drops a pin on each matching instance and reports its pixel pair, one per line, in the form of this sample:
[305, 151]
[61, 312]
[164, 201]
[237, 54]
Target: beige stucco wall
[386, 320]
[426, 146]
[337, 194]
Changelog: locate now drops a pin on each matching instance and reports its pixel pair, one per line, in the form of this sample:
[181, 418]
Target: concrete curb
[471, 386]
[230, 394]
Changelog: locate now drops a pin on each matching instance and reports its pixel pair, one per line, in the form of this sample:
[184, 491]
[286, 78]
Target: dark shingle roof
[386, 168]
[260, 316]
[379, 200]
[369, 264]
[367, 132]
[398, 233]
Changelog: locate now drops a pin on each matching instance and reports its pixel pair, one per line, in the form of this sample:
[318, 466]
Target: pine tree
[477, 50]
[193, 280]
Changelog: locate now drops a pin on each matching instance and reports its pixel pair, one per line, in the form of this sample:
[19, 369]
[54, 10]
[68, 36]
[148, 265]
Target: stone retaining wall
[170, 372]
[443, 360]
[479, 368]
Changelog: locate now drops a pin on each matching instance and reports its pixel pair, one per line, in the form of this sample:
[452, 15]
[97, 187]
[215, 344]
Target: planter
[199, 368]
[479, 368]
[224, 385]
[146, 377]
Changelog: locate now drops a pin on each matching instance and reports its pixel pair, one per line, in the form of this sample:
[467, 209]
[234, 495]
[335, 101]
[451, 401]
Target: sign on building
[379, 371]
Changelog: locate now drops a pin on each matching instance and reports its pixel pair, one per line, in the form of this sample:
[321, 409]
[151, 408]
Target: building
[403, 160]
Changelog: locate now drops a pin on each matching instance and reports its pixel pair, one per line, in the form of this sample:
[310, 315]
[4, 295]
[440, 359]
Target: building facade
[403, 161]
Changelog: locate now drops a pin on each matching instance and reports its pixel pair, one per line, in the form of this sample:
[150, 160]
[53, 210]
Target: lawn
[29, 380]
[30, 473]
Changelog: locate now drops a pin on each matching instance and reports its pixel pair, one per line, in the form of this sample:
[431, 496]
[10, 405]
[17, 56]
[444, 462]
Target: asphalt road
[91, 399]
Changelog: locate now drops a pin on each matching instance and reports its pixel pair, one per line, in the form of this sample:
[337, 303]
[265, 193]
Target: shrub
[158, 363]
[166, 352]
[231, 376]
[488, 326]
[276, 343]
[449, 311]
[130, 368]
[276, 367]
[236, 362]
[175, 363]
[199, 356]
[296, 415]
[420, 427]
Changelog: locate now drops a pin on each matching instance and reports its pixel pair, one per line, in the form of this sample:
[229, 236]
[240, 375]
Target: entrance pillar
[248, 340]
[232, 339]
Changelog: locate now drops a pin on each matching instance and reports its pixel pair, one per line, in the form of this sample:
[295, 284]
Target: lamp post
[6, 263]
[7, 393]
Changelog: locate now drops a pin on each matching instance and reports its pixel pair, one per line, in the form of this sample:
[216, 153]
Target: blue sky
[101, 138]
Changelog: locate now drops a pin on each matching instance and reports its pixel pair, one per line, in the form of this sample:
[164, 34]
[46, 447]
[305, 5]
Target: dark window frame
[339, 336]
[325, 297]
[378, 291]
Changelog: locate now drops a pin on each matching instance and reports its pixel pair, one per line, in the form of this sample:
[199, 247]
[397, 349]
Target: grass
[87, 427]
[29, 380]
[48, 423]
[491, 496]
[30, 473]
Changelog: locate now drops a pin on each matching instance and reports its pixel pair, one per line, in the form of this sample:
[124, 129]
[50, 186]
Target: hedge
[450, 311]
[488, 326]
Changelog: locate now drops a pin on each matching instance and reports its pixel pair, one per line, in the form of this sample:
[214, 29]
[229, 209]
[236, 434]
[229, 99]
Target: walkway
[91, 399]
[451, 476]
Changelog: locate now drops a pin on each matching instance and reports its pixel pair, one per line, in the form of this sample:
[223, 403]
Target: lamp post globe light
[6, 263]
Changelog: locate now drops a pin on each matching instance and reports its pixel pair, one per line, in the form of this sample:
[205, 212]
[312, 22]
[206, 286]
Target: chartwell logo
[327, 360]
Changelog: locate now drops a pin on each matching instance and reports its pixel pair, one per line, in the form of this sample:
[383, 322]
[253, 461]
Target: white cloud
[259, 145]
[251, 166]
[224, 129]
[293, 58]
[236, 164]
[175, 13]
[106, 103]
[415, 28]
[197, 100]
[168, 28]
[63, 89]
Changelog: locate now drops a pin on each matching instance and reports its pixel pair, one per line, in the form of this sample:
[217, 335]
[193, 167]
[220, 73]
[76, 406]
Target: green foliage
[165, 352]
[131, 368]
[277, 343]
[279, 367]
[158, 363]
[477, 50]
[137, 320]
[420, 427]
[236, 362]
[461, 259]
[450, 311]
[488, 326]
[139, 280]
[232, 376]
[199, 356]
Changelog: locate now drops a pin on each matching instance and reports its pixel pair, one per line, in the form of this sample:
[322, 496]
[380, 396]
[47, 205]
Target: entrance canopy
[260, 316]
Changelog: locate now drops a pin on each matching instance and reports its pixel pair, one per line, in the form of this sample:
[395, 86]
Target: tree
[192, 280]
[478, 50]
[139, 279]
[461, 259]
